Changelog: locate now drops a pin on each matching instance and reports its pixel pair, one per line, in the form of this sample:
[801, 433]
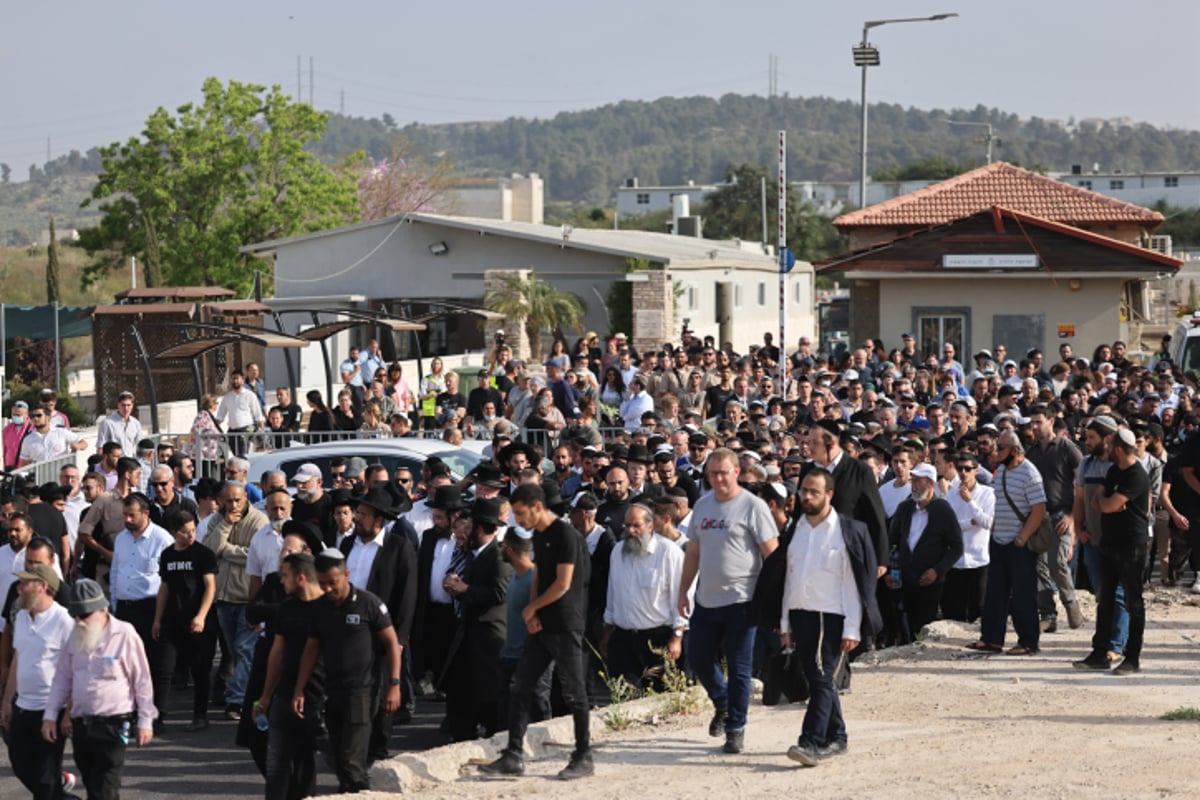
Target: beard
[86, 635]
[635, 545]
[277, 524]
[305, 495]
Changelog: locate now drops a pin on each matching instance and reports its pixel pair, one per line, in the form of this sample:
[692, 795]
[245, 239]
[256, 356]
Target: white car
[392, 453]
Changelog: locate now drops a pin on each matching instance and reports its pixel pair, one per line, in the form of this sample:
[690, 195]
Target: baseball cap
[924, 471]
[306, 473]
[41, 572]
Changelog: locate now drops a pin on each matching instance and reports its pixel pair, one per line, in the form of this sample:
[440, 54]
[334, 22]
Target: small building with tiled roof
[999, 255]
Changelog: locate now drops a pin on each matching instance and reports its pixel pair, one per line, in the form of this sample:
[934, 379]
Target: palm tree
[538, 306]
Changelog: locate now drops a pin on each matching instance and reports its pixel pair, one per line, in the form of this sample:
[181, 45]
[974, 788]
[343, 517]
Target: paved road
[208, 764]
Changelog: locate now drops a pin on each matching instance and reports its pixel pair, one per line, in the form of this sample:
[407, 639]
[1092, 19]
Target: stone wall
[653, 311]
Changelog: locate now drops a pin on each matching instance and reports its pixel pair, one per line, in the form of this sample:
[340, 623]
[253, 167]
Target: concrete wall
[1094, 310]
[751, 319]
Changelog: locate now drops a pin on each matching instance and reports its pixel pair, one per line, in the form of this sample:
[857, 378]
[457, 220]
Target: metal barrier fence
[46, 471]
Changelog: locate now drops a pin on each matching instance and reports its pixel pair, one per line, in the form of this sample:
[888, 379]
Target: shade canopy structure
[198, 338]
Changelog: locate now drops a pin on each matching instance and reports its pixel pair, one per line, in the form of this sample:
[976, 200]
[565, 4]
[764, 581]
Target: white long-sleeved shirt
[975, 520]
[241, 409]
[642, 589]
[362, 558]
[634, 407]
[820, 576]
[263, 556]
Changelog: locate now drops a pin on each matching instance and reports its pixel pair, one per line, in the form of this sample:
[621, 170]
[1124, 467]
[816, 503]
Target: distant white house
[518, 198]
[1177, 189]
[634, 199]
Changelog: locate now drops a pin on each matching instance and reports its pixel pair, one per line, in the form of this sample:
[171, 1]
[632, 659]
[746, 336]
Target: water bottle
[260, 718]
[895, 568]
[125, 732]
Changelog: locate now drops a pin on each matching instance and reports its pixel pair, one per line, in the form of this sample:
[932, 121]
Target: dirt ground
[934, 722]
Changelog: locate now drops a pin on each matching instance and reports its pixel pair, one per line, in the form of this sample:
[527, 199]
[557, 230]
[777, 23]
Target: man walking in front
[828, 606]
[555, 617]
[104, 679]
[730, 534]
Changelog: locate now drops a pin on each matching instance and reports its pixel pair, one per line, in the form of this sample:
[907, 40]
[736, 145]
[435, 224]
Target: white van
[1185, 343]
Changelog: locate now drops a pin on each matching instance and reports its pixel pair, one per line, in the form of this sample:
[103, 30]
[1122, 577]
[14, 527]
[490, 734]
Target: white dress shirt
[820, 576]
[420, 516]
[593, 539]
[44, 446]
[443, 551]
[240, 408]
[75, 505]
[642, 589]
[916, 527]
[362, 558]
[37, 642]
[202, 527]
[126, 433]
[975, 519]
[263, 556]
[134, 574]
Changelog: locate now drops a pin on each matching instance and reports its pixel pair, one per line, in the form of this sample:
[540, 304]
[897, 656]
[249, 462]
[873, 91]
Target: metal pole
[783, 257]
[762, 191]
[57, 344]
[144, 357]
[133, 272]
[862, 176]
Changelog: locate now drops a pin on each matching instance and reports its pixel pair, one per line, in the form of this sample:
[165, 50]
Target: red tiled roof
[998, 184]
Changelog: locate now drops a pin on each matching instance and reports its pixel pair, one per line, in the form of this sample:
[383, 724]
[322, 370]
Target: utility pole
[310, 81]
[342, 103]
[299, 90]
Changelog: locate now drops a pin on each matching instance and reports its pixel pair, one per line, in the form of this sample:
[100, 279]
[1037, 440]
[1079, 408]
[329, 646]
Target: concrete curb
[553, 738]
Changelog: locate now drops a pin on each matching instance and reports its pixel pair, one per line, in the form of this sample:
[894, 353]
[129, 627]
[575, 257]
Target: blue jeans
[728, 630]
[1011, 588]
[241, 640]
[1120, 620]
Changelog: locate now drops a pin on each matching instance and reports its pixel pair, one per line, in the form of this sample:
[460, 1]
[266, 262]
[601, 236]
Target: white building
[1177, 189]
[634, 200]
[518, 198]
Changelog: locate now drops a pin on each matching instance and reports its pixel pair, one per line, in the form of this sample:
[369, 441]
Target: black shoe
[1091, 662]
[837, 747]
[580, 766]
[1050, 625]
[735, 742]
[403, 716]
[717, 726]
[804, 754]
[233, 712]
[507, 764]
[1127, 667]
[159, 726]
[199, 724]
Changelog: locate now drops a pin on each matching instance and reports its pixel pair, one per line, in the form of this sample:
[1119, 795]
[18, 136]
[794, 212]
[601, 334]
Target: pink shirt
[111, 680]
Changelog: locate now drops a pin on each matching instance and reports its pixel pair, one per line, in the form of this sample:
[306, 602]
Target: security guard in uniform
[346, 625]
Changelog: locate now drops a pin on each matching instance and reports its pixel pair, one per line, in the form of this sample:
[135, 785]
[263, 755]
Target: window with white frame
[1171, 181]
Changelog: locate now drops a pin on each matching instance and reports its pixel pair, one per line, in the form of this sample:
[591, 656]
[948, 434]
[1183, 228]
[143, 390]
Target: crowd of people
[692, 508]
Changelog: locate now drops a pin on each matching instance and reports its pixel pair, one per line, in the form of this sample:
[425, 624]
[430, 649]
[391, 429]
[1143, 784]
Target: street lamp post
[867, 56]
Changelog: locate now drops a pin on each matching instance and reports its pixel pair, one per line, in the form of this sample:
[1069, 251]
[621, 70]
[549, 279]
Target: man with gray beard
[104, 678]
[640, 618]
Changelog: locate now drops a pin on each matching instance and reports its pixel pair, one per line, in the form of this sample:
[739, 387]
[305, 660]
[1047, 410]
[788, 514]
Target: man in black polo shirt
[346, 625]
[555, 618]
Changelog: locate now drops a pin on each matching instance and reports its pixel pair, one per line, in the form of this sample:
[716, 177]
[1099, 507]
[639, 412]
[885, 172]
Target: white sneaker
[68, 781]
[1196, 586]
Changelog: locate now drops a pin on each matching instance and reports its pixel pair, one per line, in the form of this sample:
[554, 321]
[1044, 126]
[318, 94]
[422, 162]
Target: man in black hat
[472, 676]
[435, 621]
[483, 393]
[349, 627]
[385, 565]
[487, 479]
[637, 467]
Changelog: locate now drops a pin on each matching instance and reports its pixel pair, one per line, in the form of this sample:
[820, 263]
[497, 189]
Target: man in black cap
[435, 620]
[385, 564]
[488, 480]
[555, 617]
[472, 676]
[349, 627]
[637, 467]
[483, 393]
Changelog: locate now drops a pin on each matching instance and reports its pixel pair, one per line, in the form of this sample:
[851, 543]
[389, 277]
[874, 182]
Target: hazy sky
[89, 74]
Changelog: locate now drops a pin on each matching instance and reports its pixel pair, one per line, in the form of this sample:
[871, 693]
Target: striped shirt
[1024, 486]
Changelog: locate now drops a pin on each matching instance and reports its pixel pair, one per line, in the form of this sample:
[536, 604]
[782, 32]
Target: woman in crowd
[373, 424]
[613, 390]
[345, 418]
[433, 384]
[320, 421]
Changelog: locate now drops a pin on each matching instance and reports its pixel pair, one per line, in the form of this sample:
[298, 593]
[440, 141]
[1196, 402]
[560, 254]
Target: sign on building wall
[991, 262]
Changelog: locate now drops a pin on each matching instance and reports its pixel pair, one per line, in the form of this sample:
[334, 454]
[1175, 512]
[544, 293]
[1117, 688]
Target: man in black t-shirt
[346, 624]
[184, 621]
[555, 618]
[292, 741]
[1125, 517]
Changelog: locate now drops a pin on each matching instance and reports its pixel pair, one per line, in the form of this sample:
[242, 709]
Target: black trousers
[140, 614]
[630, 654]
[539, 710]
[381, 721]
[440, 624]
[1185, 549]
[36, 762]
[1121, 564]
[921, 606]
[348, 719]
[818, 639]
[196, 650]
[100, 754]
[291, 766]
[962, 595]
[565, 650]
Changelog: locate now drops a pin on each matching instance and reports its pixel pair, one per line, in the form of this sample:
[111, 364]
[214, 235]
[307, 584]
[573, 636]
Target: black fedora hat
[307, 531]
[401, 499]
[554, 498]
[488, 474]
[507, 452]
[341, 497]
[380, 499]
[640, 453]
[447, 498]
[487, 511]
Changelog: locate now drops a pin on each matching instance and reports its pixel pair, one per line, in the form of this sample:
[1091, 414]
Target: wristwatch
[678, 632]
[394, 681]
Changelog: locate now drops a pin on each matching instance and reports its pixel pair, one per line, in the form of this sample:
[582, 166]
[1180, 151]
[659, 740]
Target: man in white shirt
[263, 556]
[241, 410]
[45, 441]
[120, 426]
[639, 616]
[12, 557]
[40, 631]
[893, 493]
[828, 595]
[974, 504]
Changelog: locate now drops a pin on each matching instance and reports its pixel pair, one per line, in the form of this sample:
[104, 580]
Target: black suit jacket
[393, 580]
[429, 540]
[598, 586]
[939, 546]
[856, 494]
[481, 630]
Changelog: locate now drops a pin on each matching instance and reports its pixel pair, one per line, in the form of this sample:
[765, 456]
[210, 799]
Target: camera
[499, 338]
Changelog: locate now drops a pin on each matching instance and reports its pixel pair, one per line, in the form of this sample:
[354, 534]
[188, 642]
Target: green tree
[197, 185]
[934, 168]
[53, 272]
[538, 306]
